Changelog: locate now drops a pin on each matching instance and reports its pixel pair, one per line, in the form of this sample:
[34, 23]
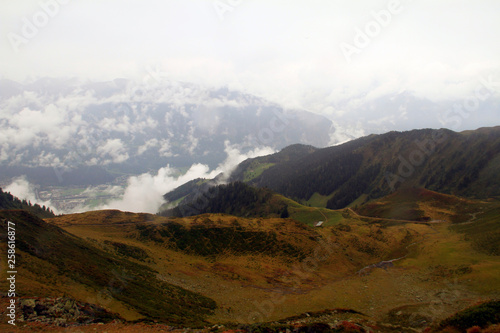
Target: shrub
[481, 315]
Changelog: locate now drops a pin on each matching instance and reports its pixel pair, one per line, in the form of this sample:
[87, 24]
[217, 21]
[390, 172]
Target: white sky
[286, 50]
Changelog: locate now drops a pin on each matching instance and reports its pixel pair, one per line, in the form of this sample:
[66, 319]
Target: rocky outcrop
[62, 312]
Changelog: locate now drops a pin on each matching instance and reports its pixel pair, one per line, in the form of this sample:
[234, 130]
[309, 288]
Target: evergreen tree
[284, 213]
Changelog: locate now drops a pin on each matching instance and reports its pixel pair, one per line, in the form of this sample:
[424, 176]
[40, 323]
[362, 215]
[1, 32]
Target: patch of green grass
[72, 191]
[173, 203]
[311, 215]
[318, 200]
[363, 198]
[255, 170]
[391, 210]
[202, 181]
[484, 231]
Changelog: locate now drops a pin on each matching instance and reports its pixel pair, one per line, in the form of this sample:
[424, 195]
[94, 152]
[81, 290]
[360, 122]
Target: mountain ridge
[463, 163]
[8, 201]
[442, 160]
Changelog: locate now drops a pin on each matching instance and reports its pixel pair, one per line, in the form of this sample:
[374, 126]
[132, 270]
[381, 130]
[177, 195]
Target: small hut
[318, 224]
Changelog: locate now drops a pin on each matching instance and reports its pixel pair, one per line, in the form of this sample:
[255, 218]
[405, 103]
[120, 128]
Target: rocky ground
[68, 315]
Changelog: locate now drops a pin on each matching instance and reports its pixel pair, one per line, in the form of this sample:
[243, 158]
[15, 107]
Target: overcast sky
[310, 54]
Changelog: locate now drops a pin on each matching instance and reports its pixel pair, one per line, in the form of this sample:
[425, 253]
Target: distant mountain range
[465, 163]
[69, 132]
[121, 127]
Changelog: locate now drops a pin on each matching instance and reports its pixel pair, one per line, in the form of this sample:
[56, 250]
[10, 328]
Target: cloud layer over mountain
[64, 123]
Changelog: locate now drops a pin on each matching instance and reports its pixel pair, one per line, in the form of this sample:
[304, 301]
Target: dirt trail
[472, 218]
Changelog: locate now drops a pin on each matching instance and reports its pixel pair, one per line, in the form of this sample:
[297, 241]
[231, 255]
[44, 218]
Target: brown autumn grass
[440, 274]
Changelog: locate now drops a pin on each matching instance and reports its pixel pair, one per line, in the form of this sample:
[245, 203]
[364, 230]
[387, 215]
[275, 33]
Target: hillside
[242, 263]
[246, 171]
[55, 263]
[8, 201]
[478, 220]
[420, 204]
[240, 199]
[465, 164]
[251, 259]
[253, 168]
[236, 198]
[215, 268]
[231, 259]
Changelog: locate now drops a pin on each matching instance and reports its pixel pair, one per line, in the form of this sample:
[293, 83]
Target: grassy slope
[318, 200]
[53, 262]
[262, 269]
[310, 215]
[421, 204]
[483, 229]
[255, 170]
[348, 175]
[461, 163]
[242, 200]
[442, 273]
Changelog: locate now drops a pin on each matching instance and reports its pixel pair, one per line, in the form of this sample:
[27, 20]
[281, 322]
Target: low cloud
[115, 149]
[144, 193]
[345, 133]
[235, 157]
[148, 145]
